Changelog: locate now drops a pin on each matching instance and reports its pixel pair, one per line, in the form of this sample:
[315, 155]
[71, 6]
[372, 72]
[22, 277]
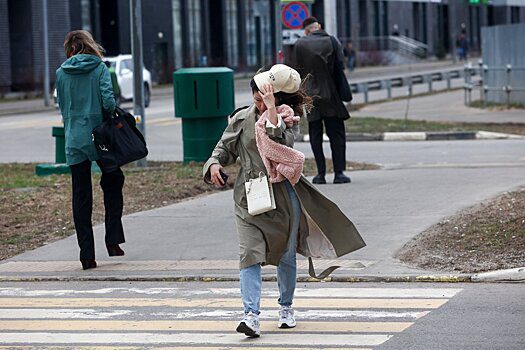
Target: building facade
[241, 34]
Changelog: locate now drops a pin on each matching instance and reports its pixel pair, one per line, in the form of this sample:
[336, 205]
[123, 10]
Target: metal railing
[398, 43]
[482, 70]
[406, 80]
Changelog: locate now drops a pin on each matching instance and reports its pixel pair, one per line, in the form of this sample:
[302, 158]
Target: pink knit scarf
[281, 162]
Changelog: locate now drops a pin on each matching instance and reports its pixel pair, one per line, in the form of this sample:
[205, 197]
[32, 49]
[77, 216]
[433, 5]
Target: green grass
[380, 125]
[20, 175]
[492, 105]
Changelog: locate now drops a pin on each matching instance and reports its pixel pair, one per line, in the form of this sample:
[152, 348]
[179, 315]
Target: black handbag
[118, 141]
[339, 76]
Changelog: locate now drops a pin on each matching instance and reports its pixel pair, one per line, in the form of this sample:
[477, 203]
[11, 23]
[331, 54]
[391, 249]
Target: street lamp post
[46, 52]
[138, 84]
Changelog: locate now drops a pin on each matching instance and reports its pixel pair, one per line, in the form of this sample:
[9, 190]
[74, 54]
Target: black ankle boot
[340, 178]
[319, 179]
[114, 250]
[88, 264]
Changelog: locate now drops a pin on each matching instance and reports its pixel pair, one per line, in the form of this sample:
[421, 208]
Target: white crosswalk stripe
[205, 318]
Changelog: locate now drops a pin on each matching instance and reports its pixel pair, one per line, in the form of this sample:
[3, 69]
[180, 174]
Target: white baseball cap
[281, 77]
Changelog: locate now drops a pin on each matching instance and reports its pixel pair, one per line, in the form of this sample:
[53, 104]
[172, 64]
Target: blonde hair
[81, 41]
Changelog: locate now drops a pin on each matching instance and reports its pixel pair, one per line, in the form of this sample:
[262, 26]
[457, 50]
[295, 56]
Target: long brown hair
[81, 41]
[297, 100]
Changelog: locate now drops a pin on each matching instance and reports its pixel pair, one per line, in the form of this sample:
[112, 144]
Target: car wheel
[147, 95]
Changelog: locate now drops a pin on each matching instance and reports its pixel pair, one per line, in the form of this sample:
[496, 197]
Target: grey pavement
[445, 106]
[420, 184]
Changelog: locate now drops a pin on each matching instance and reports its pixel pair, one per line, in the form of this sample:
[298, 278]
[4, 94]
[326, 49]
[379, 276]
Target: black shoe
[114, 250]
[319, 179]
[88, 264]
[340, 178]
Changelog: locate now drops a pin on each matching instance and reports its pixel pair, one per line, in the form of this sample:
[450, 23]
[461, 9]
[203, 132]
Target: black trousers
[335, 129]
[112, 184]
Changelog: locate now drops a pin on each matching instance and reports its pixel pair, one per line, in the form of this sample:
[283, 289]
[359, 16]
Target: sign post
[292, 16]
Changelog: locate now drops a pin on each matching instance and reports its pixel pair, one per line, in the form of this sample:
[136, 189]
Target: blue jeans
[251, 279]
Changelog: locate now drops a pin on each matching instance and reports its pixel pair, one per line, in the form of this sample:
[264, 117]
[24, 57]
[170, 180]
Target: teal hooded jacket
[83, 89]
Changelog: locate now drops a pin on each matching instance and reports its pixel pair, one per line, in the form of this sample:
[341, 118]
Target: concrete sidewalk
[445, 106]
[197, 239]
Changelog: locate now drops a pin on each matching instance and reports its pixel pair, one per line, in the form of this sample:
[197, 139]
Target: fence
[483, 71]
[406, 80]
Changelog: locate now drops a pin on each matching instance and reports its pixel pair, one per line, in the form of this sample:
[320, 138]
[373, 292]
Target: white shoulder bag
[259, 194]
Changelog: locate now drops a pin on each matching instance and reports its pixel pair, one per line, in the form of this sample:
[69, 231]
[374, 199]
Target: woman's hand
[266, 93]
[215, 175]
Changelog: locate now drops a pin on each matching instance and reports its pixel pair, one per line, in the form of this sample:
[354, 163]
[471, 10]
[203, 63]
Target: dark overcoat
[315, 57]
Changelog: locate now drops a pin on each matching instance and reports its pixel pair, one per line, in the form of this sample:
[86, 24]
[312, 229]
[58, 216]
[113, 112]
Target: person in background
[462, 46]
[84, 94]
[349, 54]
[315, 54]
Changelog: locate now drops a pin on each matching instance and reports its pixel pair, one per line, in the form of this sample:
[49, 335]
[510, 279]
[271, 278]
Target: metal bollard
[389, 89]
[482, 80]
[365, 91]
[508, 88]
[449, 85]
[429, 81]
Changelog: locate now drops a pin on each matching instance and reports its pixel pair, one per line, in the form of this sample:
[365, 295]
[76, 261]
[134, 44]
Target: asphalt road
[138, 315]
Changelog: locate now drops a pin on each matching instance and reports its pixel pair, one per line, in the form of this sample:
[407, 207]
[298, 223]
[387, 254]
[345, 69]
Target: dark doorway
[216, 17]
[443, 29]
[258, 41]
[21, 42]
[160, 64]
[109, 27]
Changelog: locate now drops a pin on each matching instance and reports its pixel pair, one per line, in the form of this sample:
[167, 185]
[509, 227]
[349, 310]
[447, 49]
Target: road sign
[293, 14]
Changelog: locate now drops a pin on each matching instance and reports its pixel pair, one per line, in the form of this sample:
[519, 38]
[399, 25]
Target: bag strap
[105, 114]
[323, 274]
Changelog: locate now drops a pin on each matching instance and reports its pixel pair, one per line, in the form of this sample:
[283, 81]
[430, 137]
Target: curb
[419, 136]
[234, 278]
[515, 275]
[509, 275]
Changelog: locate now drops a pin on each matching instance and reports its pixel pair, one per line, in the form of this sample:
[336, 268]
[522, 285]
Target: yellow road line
[197, 325]
[222, 303]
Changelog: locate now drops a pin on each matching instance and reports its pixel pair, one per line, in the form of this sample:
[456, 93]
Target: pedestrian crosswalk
[205, 318]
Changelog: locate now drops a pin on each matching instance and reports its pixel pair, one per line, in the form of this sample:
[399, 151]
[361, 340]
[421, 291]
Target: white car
[123, 65]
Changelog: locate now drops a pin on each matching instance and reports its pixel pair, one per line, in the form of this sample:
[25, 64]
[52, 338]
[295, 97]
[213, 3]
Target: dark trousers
[112, 184]
[335, 129]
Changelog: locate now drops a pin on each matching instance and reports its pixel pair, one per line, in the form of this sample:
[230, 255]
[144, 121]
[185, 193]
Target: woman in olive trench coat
[322, 230]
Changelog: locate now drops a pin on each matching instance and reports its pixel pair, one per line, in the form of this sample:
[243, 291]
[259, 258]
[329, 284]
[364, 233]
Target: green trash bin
[60, 144]
[204, 98]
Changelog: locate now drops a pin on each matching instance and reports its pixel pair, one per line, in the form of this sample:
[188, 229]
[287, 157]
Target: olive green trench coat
[324, 231]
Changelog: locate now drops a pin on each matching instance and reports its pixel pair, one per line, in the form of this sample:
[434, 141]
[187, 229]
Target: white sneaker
[250, 325]
[286, 317]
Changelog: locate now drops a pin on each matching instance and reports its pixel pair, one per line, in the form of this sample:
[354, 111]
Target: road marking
[62, 313]
[290, 339]
[208, 326]
[222, 303]
[299, 292]
[166, 265]
[7, 314]
[229, 347]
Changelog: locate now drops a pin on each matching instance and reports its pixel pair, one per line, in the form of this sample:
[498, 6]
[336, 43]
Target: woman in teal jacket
[84, 93]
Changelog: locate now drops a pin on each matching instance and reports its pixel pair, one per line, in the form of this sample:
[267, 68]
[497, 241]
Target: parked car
[123, 65]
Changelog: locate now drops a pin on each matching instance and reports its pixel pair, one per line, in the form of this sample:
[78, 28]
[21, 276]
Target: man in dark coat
[315, 55]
